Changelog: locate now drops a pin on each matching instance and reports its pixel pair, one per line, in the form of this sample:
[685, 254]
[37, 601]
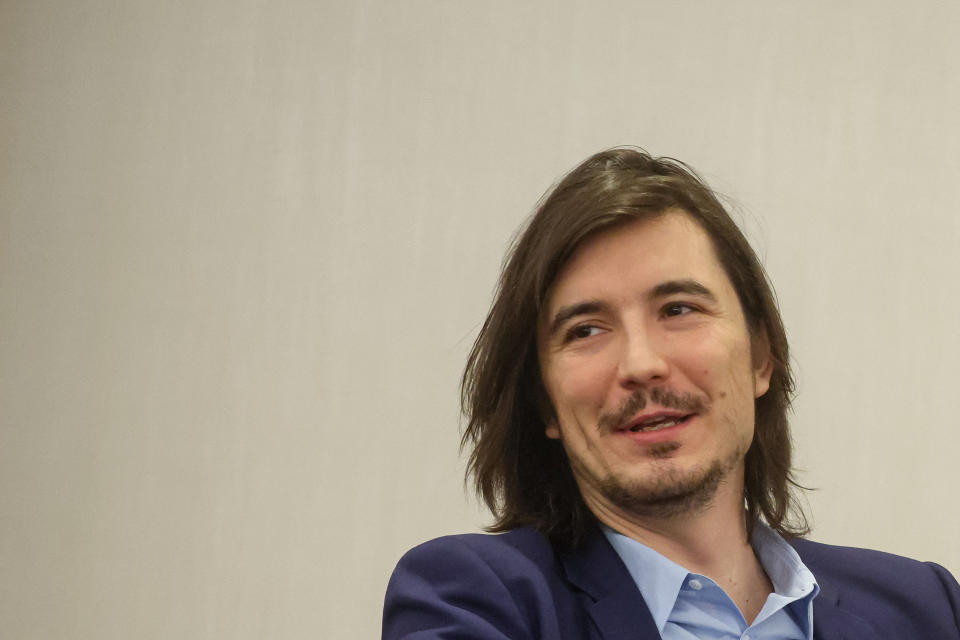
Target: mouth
[656, 422]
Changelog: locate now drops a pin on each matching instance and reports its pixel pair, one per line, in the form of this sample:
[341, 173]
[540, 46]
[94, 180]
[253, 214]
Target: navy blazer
[516, 586]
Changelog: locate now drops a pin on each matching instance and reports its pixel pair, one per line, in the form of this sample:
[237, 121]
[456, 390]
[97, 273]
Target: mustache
[639, 399]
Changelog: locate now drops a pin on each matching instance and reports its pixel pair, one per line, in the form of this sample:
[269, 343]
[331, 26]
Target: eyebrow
[662, 290]
[688, 286]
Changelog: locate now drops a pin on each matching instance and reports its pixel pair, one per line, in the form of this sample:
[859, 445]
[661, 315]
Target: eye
[678, 309]
[582, 331]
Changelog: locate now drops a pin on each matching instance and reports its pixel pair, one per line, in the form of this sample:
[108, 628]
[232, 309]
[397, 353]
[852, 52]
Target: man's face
[646, 358]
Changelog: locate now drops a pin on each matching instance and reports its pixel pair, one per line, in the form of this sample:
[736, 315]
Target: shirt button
[746, 636]
[695, 584]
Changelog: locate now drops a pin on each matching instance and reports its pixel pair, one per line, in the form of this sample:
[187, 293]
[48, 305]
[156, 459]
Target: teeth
[656, 426]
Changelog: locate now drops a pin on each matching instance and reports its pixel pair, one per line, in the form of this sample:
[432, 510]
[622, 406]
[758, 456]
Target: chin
[668, 490]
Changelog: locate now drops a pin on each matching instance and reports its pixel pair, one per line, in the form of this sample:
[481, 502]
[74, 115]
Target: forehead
[642, 254]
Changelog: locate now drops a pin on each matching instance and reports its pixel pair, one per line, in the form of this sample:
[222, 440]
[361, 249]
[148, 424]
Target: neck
[711, 540]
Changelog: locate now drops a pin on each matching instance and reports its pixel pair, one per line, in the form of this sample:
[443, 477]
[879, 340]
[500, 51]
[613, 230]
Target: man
[627, 402]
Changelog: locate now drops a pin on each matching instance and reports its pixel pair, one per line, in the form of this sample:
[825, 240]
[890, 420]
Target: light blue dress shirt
[690, 606]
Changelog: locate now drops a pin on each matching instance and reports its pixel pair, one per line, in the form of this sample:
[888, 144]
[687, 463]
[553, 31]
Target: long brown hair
[524, 477]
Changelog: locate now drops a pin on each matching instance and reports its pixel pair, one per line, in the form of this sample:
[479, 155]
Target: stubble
[670, 491]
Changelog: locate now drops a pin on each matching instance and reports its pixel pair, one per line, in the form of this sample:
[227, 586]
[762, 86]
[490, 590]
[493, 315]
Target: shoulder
[855, 563]
[504, 552]
[888, 589]
[828, 553]
[476, 585]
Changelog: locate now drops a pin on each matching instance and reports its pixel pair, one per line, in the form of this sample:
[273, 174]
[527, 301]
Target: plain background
[246, 247]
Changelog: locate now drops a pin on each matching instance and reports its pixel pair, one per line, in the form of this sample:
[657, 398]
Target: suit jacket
[516, 586]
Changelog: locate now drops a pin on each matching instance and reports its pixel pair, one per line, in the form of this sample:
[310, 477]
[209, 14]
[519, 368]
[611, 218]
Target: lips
[656, 422]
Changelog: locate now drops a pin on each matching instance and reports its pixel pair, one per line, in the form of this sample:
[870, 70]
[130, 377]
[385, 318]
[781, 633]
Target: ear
[547, 414]
[762, 362]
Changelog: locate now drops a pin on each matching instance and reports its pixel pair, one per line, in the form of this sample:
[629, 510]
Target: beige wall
[246, 245]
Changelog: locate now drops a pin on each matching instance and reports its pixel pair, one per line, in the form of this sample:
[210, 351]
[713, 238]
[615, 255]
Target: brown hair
[524, 477]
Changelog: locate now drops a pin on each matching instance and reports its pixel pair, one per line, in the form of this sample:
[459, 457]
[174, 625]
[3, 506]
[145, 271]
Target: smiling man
[627, 401]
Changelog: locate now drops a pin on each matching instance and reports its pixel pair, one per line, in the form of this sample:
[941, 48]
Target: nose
[642, 361]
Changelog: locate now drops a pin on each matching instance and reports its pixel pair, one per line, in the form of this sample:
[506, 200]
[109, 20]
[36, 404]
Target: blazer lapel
[620, 613]
[830, 622]
[617, 607]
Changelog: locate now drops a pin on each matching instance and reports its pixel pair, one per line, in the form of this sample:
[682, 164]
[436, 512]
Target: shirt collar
[660, 579]
[790, 577]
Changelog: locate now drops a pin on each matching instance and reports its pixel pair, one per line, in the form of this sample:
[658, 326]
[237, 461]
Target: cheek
[738, 393]
[725, 373]
[580, 387]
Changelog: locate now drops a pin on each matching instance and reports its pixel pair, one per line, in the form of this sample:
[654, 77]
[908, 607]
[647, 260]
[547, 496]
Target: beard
[672, 492]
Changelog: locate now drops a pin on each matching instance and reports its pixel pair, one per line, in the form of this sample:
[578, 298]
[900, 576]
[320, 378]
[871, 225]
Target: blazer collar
[617, 609]
[620, 613]
[830, 620]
